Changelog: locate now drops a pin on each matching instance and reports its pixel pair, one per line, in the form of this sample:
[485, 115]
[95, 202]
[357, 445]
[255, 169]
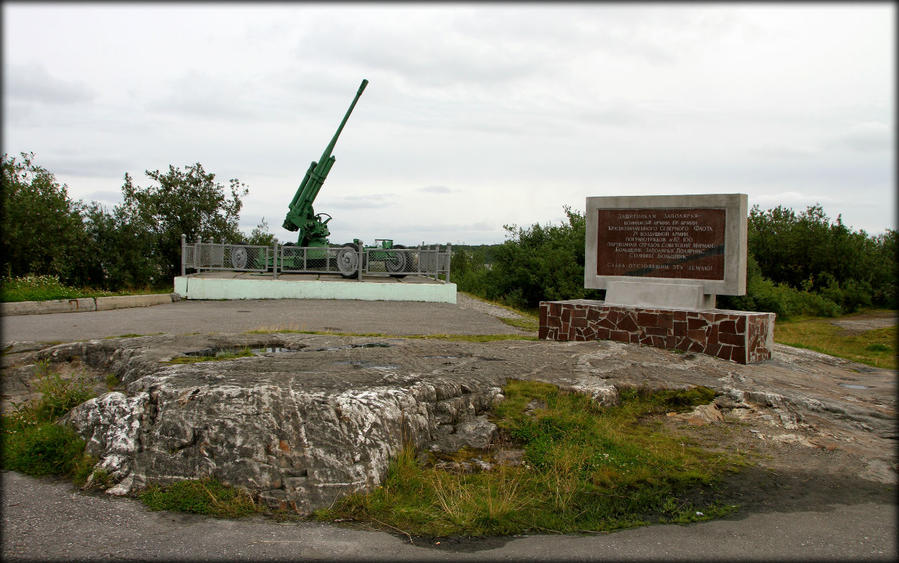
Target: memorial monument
[662, 260]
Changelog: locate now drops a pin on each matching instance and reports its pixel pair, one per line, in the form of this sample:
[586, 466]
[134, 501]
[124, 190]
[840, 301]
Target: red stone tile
[724, 352]
[579, 322]
[656, 331]
[627, 323]
[603, 333]
[541, 334]
[741, 324]
[680, 328]
[738, 354]
[620, 336]
[666, 321]
[555, 309]
[566, 315]
[735, 339]
[693, 324]
[697, 335]
[593, 314]
[634, 338]
[712, 334]
[647, 319]
[695, 347]
[680, 315]
[606, 323]
[729, 327]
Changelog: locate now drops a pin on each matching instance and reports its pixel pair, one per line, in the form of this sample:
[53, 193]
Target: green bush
[42, 449]
[32, 441]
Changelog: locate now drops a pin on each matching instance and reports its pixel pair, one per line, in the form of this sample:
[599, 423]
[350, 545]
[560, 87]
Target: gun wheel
[239, 258]
[347, 262]
[396, 262]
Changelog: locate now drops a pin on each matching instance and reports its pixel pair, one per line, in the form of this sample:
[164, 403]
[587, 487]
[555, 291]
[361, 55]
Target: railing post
[359, 269]
[183, 246]
[275, 260]
[449, 260]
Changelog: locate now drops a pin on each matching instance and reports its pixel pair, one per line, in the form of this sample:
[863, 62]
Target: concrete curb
[83, 304]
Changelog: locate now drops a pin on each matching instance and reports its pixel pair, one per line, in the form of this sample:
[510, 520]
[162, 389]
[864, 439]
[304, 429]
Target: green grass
[200, 496]
[875, 347]
[32, 442]
[451, 337]
[220, 357]
[585, 469]
[44, 288]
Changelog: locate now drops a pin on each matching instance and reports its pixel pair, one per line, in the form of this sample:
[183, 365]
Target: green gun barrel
[301, 216]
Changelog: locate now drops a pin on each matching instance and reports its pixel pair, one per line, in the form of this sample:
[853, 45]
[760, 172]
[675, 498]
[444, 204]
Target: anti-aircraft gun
[311, 227]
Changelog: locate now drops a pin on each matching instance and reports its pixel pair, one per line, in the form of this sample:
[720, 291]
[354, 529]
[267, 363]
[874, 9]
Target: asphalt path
[184, 317]
[48, 519]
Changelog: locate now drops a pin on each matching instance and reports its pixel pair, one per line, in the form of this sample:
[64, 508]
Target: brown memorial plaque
[661, 243]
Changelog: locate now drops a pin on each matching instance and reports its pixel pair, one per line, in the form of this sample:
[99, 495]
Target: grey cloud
[200, 94]
[374, 201]
[436, 190]
[89, 167]
[103, 197]
[35, 83]
[867, 137]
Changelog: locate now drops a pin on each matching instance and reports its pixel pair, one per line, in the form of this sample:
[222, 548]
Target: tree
[541, 263]
[41, 225]
[260, 236]
[187, 202]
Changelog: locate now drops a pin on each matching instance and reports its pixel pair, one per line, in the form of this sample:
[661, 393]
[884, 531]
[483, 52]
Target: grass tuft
[33, 443]
[200, 496]
[585, 468]
[220, 357]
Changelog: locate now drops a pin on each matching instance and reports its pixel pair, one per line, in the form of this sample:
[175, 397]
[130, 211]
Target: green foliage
[585, 468]
[42, 449]
[542, 262]
[41, 225]
[762, 294]
[135, 245]
[261, 236]
[809, 253]
[41, 288]
[32, 441]
[199, 496]
[188, 202]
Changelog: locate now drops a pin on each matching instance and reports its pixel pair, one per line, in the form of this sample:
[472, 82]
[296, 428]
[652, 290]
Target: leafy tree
[187, 202]
[261, 236]
[541, 263]
[41, 225]
[808, 252]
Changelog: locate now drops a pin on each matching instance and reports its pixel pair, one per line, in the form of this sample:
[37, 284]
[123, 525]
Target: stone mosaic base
[739, 336]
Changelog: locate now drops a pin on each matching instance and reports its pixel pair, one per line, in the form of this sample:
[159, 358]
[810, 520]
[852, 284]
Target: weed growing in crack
[32, 441]
[585, 468]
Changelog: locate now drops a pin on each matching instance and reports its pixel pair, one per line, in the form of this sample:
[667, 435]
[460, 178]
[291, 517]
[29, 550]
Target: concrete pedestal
[740, 336]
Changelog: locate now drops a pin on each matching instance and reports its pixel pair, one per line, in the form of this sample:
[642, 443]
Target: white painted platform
[242, 285]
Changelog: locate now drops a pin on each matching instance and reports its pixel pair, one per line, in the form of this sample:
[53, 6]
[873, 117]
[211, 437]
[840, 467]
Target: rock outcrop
[310, 417]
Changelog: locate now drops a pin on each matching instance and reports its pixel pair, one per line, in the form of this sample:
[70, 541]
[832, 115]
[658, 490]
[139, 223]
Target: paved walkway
[183, 317]
[45, 519]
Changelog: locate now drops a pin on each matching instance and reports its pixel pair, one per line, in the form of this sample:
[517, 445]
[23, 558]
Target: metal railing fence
[430, 261]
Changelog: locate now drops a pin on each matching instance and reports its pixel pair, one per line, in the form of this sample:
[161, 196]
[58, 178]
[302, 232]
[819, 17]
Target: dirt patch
[856, 324]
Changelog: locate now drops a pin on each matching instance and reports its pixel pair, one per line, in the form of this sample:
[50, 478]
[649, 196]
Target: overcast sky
[475, 116]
